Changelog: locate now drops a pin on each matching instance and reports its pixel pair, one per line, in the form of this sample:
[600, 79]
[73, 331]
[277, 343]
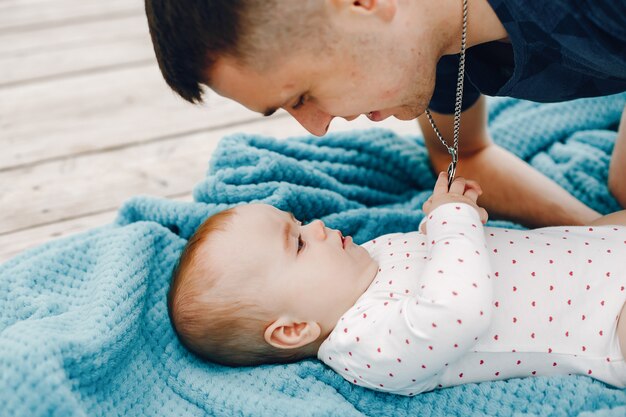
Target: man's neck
[483, 24]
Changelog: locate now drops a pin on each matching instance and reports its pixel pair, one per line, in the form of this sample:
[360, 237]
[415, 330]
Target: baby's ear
[285, 333]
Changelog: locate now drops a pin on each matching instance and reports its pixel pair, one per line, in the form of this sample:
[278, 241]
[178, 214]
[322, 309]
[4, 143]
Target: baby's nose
[320, 229]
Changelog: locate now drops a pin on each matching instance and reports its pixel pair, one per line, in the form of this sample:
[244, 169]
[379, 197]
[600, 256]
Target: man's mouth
[379, 115]
[374, 116]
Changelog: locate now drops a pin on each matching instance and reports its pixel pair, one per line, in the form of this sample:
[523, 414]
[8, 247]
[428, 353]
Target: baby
[407, 312]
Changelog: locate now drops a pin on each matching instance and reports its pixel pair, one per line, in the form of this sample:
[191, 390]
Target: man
[320, 59]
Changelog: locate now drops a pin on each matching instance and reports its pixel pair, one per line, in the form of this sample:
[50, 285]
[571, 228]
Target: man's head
[190, 36]
[317, 59]
[256, 286]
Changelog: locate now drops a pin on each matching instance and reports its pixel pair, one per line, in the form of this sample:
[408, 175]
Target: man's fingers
[458, 186]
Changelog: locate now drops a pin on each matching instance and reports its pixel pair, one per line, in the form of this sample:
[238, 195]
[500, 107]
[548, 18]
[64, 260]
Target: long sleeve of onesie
[426, 308]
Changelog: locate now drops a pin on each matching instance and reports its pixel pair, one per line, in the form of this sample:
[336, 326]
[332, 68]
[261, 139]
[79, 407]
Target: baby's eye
[301, 243]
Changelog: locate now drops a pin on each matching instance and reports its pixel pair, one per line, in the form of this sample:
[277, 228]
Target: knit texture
[84, 329]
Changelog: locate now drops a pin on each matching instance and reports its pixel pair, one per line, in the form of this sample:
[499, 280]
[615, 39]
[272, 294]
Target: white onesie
[466, 303]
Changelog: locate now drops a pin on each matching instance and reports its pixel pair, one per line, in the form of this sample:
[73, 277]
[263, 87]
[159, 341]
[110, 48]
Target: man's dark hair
[189, 36]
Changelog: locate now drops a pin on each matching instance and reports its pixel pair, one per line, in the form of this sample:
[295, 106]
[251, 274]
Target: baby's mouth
[345, 241]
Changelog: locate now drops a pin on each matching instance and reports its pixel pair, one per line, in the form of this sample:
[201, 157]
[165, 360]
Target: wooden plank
[14, 243]
[68, 189]
[95, 112]
[55, 64]
[60, 51]
[41, 40]
[21, 15]
[86, 120]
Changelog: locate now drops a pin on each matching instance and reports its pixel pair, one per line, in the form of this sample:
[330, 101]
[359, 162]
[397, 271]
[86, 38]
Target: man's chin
[407, 113]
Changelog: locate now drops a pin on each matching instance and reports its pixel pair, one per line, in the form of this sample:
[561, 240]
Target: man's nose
[312, 119]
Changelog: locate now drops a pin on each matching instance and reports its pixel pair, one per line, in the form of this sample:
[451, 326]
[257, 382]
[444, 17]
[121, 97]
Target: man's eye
[301, 243]
[299, 103]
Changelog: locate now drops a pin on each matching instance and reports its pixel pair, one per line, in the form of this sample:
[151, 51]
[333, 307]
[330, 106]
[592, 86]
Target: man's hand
[513, 189]
[461, 191]
[617, 168]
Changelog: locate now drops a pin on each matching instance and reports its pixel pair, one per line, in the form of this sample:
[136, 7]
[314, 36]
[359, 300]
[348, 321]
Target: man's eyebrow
[273, 110]
[269, 112]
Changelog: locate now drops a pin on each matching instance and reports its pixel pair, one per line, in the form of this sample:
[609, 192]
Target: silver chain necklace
[454, 150]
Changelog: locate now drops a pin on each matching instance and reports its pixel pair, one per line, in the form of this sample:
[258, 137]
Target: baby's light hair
[212, 319]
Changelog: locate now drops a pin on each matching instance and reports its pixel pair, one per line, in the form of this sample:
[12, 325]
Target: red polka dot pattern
[434, 318]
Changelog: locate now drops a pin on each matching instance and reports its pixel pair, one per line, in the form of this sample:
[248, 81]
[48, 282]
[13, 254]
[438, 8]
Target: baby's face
[308, 271]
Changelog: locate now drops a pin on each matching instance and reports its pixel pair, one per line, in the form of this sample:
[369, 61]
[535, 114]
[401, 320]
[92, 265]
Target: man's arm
[513, 190]
[617, 168]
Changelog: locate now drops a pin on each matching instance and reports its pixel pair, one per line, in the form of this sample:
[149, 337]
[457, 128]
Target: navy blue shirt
[559, 50]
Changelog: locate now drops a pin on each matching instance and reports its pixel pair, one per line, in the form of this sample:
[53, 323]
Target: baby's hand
[461, 191]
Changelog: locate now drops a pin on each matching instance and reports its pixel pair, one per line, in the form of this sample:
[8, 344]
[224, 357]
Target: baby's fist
[461, 191]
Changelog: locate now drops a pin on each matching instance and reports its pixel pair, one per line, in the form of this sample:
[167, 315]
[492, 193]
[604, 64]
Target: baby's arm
[455, 284]
[453, 306]
[409, 339]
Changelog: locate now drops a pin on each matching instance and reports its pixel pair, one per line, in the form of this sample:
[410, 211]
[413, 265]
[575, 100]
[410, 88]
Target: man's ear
[287, 334]
[385, 9]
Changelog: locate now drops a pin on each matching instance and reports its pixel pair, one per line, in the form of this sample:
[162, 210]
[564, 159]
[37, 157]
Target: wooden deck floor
[86, 120]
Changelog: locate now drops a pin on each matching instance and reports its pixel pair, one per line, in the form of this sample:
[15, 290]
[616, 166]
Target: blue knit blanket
[84, 329]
